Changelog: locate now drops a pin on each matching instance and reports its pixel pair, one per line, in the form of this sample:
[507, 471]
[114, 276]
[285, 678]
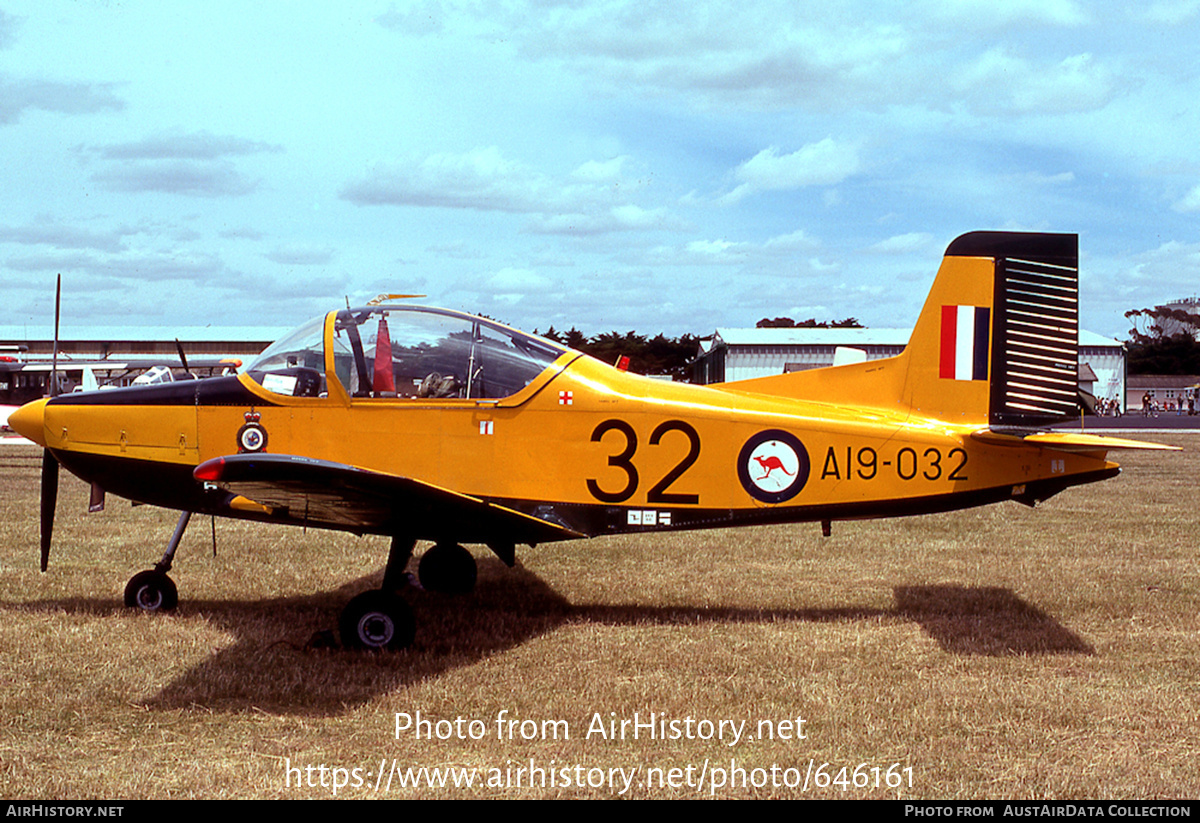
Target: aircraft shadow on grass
[986, 621]
[271, 667]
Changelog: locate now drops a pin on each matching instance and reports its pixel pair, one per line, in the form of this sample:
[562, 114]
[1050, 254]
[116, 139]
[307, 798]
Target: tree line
[662, 355]
[1163, 341]
[647, 355]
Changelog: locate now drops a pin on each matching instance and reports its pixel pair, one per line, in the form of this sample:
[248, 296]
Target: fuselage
[597, 449]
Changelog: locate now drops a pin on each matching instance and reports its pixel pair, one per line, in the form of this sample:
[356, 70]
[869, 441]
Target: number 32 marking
[624, 462]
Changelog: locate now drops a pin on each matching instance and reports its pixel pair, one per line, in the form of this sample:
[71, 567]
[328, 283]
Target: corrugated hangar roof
[850, 337]
[143, 334]
[814, 337]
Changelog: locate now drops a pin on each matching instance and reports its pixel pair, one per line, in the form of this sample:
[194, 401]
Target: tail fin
[998, 337]
[996, 343]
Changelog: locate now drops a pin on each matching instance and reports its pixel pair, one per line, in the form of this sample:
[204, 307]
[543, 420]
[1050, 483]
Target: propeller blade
[49, 502]
[182, 356]
[49, 463]
[54, 360]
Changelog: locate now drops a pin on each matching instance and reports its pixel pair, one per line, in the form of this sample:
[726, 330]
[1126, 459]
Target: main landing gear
[380, 619]
[375, 620]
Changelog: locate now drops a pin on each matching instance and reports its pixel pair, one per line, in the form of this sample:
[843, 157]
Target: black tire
[448, 568]
[377, 621]
[151, 591]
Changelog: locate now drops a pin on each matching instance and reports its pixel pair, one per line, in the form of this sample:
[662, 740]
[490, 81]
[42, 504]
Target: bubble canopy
[404, 352]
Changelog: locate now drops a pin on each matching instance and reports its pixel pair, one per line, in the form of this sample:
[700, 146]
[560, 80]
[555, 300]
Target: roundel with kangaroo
[773, 466]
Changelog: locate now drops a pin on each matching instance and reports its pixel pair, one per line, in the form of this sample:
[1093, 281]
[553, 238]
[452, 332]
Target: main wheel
[449, 568]
[151, 591]
[377, 620]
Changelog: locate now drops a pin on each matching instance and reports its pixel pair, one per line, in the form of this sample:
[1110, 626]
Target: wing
[299, 490]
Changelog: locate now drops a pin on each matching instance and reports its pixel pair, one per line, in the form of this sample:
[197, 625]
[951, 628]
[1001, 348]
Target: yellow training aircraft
[426, 424]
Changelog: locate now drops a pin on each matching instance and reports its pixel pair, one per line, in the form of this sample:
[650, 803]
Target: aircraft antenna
[383, 298]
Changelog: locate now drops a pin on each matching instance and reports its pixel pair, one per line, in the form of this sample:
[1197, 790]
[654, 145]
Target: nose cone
[28, 421]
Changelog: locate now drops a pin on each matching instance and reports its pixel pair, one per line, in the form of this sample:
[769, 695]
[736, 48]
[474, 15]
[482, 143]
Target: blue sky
[614, 165]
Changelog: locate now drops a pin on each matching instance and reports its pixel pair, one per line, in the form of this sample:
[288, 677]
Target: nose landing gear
[152, 590]
[376, 620]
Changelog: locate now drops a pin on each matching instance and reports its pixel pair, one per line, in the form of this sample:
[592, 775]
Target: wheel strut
[398, 556]
[164, 565]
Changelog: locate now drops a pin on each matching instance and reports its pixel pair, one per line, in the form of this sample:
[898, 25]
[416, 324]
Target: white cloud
[988, 14]
[481, 180]
[596, 171]
[186, 177]
[134, 265]
[903, 243]
[1190, 201]
[300, 254]
[193, 164]
[1114, 285]
[764, 54]
[510, 286]
[1172, 12]
[825, 163]
[628, 217]
[21, 95]
[456, 251]
[767, 256]
[997, 83]
[715, 248]
[589, 201]
[49, 232]
[8, 29]
[416, 19]
[201, 145]
[795, 241]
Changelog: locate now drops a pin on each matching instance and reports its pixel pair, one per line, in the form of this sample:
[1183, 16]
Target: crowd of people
[1171, 405]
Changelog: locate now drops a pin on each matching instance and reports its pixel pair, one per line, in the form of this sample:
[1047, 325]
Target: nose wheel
[151, 591]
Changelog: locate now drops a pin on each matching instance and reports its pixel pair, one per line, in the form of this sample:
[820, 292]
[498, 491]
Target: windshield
[294, 365]
[302, 347]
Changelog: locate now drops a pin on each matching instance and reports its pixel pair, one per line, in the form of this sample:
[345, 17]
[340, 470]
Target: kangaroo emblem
[770, 464]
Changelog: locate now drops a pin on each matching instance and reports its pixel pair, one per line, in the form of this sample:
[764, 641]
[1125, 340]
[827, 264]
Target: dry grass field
[994, 653]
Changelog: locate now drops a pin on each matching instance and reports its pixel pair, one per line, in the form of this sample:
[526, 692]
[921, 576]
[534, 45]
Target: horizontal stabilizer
[1067, 441]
